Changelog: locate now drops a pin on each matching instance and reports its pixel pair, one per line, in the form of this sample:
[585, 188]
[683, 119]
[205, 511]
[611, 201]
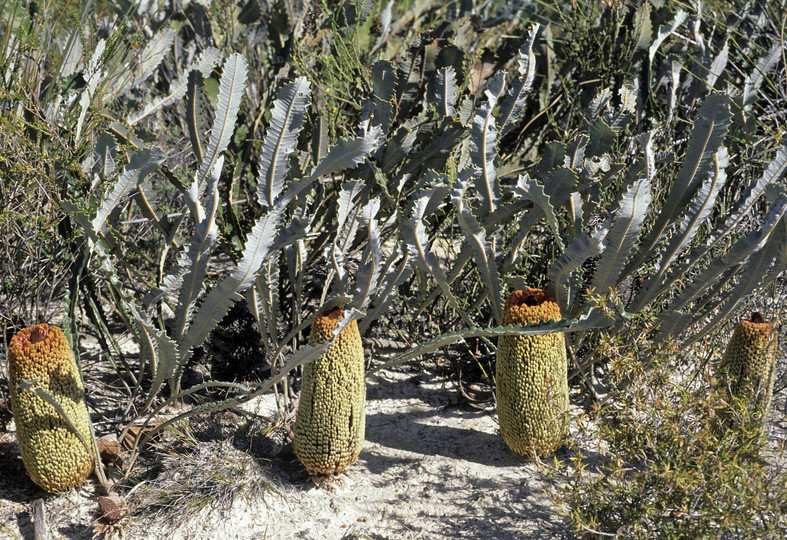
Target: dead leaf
[482, 70]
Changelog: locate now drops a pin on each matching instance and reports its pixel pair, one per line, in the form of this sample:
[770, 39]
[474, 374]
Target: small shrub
[656, 465]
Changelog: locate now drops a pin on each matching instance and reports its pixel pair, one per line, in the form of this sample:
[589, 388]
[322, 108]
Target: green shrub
[657, 466]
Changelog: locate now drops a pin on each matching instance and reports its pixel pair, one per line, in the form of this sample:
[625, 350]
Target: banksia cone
[532, 378]
[746, 372]
[53, 455]
[331, 418]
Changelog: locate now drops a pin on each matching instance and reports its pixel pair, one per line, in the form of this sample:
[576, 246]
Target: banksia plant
[746, 372]
[531, 378]
[331, 418]
[54, 456]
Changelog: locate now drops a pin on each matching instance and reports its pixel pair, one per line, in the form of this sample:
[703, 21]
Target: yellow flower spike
[331, 419]
[53, 455]
[532, 378]
[746, 371]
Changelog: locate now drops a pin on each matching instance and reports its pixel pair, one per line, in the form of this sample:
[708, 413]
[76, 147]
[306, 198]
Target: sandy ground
[432, 467]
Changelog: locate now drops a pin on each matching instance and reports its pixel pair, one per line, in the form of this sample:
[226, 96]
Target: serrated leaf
[368, 274]
[281, 138]
[194, 118]
[484, 250]
[529, 189]
[383, 85]
[675, 71]
[346, 154]
[442, 91]
[81, 218]
[391, 280]
[72, 54]
[760, 268]
[717, 67]
[104, 155]
[664, 32]
[559, 184]
[204, 64]
[92, 75]
[602, 138]
[417, 242]
[483, 142]
[625, 113]
[266, 236]
[696, 214]
[436, 153]
[775, 171]
[709, 279]
[153, 54]
[627, 222]
[203, 240]
[162, 351]
[706, 138]
[133, 74]
[142, 163]
[734, 217]
[643, 30]
[347, 221]
[581, 249]
[765, 65]
[399, 145]
[575, 152]
[599, 103]
[264, 297]
[231, 87]
[514, 101]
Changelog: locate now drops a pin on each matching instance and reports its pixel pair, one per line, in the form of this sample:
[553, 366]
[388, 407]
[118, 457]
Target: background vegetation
[190, 175]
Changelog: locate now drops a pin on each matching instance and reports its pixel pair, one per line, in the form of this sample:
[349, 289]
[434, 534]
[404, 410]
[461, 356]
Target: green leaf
[706, 138]
[483, 142]
[231, 87]
[484, 249]
[514, 102]
[286, 123]
[442, 92]
[142, 163]
[538, 329]
[204, 64]
[627, 222]
[560, 274]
